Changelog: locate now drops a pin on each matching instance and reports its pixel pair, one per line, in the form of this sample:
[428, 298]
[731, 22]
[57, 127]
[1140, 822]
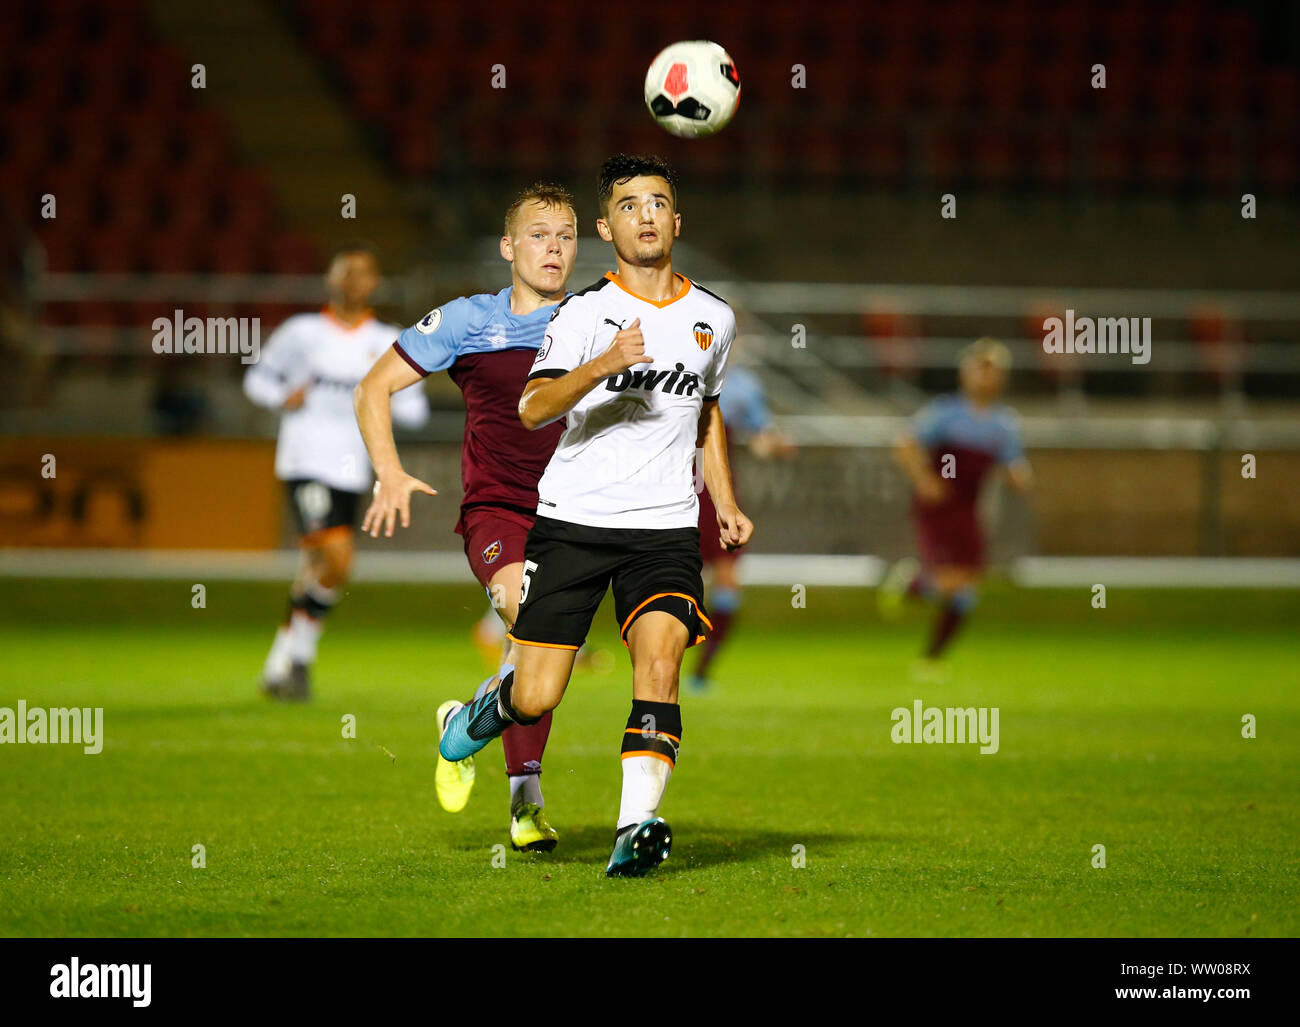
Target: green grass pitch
[1120, 727]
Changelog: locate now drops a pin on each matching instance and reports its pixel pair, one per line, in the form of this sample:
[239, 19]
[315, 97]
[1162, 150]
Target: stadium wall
[832, 500]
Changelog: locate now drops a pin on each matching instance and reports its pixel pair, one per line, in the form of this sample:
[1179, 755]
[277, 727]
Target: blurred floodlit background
[199, 156]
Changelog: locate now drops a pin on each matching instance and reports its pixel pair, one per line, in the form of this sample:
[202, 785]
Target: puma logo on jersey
[675, 383]
[610, 321]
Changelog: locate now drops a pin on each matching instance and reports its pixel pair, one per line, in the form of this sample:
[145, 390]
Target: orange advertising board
[139, 493]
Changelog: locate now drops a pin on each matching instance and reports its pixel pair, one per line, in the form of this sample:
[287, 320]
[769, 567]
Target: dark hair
[354, 246]
[546, 193]
[622, 166]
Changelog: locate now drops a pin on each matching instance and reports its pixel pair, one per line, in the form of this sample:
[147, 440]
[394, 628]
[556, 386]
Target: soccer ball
[692, 88]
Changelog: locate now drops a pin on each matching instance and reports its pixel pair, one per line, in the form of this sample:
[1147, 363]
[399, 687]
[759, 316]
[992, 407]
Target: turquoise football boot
[639, 849]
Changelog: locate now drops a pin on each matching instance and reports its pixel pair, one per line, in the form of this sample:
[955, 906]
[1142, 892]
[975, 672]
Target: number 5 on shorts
[529, 567]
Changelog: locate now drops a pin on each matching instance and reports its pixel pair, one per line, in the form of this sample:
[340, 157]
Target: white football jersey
[320, 440]
[627, 456]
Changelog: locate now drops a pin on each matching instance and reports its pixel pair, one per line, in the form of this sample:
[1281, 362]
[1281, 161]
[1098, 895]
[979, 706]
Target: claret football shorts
[494, 538]
[568, 568]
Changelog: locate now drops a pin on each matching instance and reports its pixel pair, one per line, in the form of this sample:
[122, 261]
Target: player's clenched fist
[628, 348]
[392, 496]
[734, 528]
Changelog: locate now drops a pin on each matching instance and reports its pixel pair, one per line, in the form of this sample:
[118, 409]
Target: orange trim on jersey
[641, 731]
[686, 287]
[543, 645]
[325, 310]
[322, 535]
[656, 755]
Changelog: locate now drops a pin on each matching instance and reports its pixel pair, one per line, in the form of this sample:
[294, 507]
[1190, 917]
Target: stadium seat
[1218, 160]
[994, 158]
[1110, 159]
[1163, 161]
[1276, 159]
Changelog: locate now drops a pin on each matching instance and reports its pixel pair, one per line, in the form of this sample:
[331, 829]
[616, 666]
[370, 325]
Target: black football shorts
[568, 567]
[318, 508]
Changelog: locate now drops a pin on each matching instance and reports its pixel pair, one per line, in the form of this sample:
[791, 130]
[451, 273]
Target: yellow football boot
[529, 831]
[452, 781]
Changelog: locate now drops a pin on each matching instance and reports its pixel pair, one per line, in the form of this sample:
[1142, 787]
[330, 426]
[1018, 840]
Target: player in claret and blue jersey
[954, 443]
[487, 344]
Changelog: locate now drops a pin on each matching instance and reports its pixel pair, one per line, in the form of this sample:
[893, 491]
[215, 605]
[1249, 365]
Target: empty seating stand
[98, 113]
[992, 93]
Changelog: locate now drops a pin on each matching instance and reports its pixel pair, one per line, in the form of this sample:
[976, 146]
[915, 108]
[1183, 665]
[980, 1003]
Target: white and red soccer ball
[692, 88]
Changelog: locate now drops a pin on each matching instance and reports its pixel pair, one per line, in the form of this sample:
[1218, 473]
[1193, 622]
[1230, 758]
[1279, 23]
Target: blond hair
[546, 193]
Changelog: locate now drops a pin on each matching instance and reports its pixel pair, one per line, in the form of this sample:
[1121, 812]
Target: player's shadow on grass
[701, 845]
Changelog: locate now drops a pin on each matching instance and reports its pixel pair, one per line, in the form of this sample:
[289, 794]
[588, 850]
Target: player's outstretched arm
[372, 400]
[734, 528]
[545, 399]
[909, 455]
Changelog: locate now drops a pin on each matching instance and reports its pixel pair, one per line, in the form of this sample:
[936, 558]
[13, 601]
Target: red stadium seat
[1276, 158]
[1119, 101]
[181, 247]
[234, 250]
[879, 153]
[291, 254]
[108, 252]
[943, 90]
[89, 144]
[1179, 27]
[1110, 159]
[416, 151]
[1163, 160]
[1279, 97]
[1235, 36]
[1219, 160]
[105, 80]
[63, 249]
[994, 158]
[940, 164]
[1170, 94]
[44, 81]
[999, 91]
[1225, 94]
[164, 79]
[131, 215]
[29, 137]
[886, 88]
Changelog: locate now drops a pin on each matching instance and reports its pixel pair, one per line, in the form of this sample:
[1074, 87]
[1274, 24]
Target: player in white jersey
[307, 371]
[635, 364]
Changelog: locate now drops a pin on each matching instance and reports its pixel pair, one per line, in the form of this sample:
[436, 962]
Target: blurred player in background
[307, 371]
[955, 442]
[487, 344]
[747, 419]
